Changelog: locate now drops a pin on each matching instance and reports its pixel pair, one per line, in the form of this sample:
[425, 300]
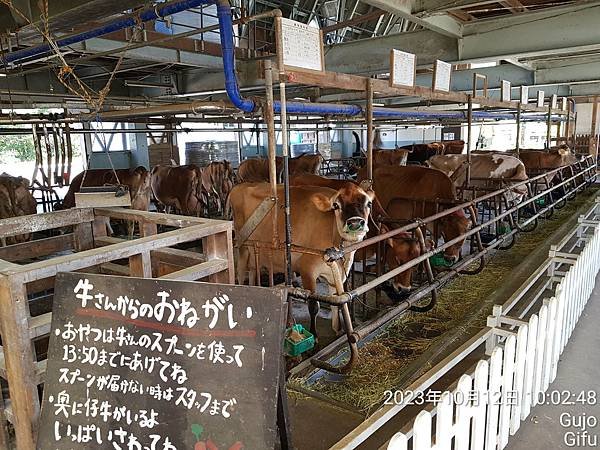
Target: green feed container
[297, 348]
[438, 260]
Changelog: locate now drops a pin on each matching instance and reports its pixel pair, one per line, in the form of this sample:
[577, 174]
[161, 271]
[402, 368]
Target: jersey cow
[505, 169]
[137, 180]
[15, 200]
[455, 147]
[217, 181]
[257, 169]
[397, 157]
[321, 218]
[399, 249]
[411, 192]
[179, 188]
[420, 153]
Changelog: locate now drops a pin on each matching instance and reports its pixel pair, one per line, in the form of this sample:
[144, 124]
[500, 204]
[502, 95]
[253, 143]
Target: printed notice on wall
[403, 68]
[524, 95]
[563, 103]
[302, 45]
[505, 92]
[161, 365]
[441, 76]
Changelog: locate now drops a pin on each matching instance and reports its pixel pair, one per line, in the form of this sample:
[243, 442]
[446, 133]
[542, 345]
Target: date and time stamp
[581, 428]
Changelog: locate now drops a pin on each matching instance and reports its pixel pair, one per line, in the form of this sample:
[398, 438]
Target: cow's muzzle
[355, 225]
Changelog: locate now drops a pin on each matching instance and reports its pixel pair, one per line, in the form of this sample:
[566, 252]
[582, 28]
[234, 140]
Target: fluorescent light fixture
[2, 74]
[378, 104]
[133, 83]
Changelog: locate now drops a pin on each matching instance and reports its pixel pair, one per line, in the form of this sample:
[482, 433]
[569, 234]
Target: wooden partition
[77, 240]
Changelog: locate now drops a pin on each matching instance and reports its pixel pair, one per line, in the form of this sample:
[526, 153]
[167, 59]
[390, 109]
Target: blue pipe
[144, 16]
[231, 83]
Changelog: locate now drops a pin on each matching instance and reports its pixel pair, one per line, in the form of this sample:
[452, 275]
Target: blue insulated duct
[144, 16]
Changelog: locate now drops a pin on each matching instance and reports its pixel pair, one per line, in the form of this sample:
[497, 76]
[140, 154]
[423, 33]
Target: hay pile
[461, 307]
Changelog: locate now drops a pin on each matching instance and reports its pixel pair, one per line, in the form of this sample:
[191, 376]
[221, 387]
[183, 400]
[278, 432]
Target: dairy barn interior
[300, 224]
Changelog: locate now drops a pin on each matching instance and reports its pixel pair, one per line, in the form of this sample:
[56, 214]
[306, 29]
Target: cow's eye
[369, 204]
[336, 205]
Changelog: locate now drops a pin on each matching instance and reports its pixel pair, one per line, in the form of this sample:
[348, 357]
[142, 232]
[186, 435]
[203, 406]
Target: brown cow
[178, 187]
[138, 181]
[257, 169]
[397, 157]
[217, 181]
[15, 200]
[420, 153]
[321, 218]
[400, 249]
[411, 192]
[506, 169]
[455, 147]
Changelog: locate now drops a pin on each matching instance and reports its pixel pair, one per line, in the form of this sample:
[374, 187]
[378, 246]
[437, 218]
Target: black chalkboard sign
[142, 364]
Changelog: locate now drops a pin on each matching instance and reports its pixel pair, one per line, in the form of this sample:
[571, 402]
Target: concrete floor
[578, 370]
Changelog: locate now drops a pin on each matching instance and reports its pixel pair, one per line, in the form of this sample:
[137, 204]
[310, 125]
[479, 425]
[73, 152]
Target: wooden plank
[96, 256]
[83, 237]
[39, 325]
[19, 356]
[37, 248]
[177, 257]
[198, 271]
[101, 200]
[220, 246]
[140, 265]
[157, 218]
[114, 269]
[46, 221]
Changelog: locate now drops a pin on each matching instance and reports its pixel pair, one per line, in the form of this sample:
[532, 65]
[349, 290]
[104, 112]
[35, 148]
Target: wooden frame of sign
[505, 91]
[406, 57]
[476, 78]
[436, 72]
[89, 248]
[540, 99]
[524, 95]
[281, 50]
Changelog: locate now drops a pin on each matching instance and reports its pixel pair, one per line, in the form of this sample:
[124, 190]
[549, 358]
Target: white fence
[486, 406]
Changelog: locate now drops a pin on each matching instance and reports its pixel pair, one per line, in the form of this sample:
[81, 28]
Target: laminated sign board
[302, 45]
[441, 76]
[161, 365]
[403, 67]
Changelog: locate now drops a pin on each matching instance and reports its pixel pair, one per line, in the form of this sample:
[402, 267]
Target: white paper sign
[554, 101]
[441, 76]
[403, 66]
[540, 99]
[301, 45]
[564, 103]
[524, 95]
[505, 93]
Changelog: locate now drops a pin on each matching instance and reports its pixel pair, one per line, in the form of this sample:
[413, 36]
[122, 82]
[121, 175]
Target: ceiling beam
[443, 24]
[514, 6]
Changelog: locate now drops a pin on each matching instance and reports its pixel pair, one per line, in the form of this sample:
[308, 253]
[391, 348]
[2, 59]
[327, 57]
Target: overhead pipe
[231, 83]
[317, 109]
[119, 24]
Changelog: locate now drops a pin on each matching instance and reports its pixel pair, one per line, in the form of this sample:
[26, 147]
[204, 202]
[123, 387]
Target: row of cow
[333, 213]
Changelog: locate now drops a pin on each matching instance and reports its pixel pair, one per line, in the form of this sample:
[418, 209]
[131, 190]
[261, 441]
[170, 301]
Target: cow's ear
[322, 202]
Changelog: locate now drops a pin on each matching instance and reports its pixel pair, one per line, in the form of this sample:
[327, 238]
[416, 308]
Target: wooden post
[518, 143]
[83, 237]
[220, 246]
[549, 128]
[593, 145]
[19, 359]
[469, 134]
[269, 117]
[370, 130]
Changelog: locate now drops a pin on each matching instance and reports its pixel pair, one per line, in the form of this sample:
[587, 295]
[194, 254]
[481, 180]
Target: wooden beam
[356, 21]
[46, 221]
[37, 248]
[199, 271]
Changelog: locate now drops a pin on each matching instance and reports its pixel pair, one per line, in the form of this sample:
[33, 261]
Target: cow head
[400, 249]
[452, 226]
[351, 206]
